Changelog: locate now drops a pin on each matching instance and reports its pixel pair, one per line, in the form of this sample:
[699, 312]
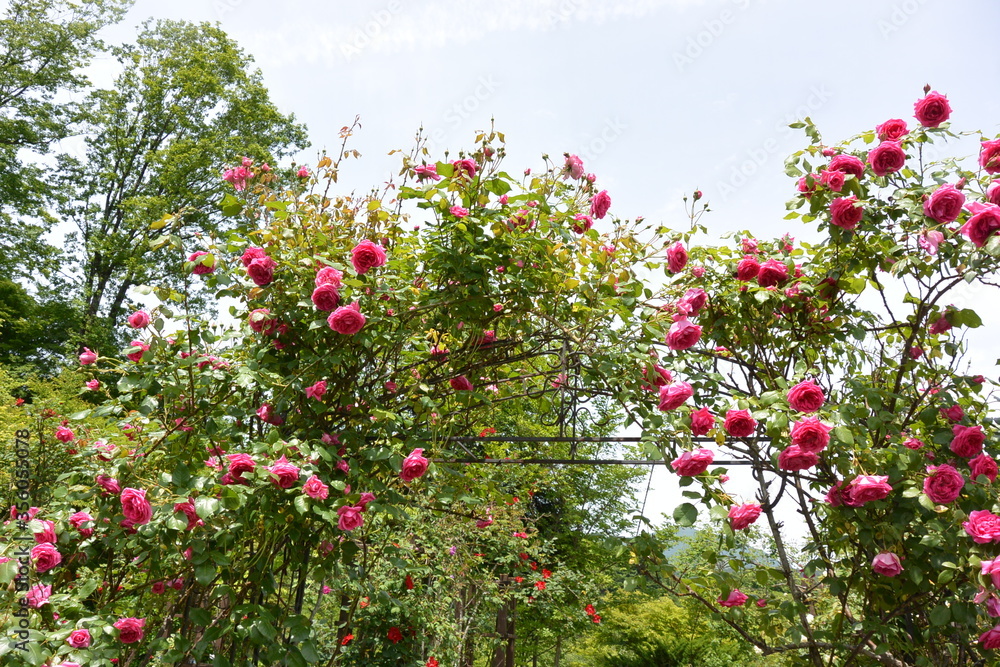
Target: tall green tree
[186, 104]
[43, 46]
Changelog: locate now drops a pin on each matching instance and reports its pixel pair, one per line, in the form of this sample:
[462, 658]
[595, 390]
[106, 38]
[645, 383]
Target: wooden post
[558, 651]
[506, 616]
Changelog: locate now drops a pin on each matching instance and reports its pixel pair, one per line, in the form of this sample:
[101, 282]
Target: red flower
[540, 585]
[431, 662]
[346, 640]
[395, 636]
[534, 565]
[546, 574]
[597, 618]
[519, 579]
[409, 583]
[590, 610]
[487, 431]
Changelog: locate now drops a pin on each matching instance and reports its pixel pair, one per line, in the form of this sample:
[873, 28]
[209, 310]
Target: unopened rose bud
[697, 195]
[961, 183]
[927, 88]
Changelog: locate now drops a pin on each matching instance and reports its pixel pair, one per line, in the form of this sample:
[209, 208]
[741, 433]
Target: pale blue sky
[657, 96]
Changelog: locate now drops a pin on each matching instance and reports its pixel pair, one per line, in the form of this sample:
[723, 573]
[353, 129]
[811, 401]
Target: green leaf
[200, 616]
[204, 573]
[686, 514]
[940, 615]
[844, 435]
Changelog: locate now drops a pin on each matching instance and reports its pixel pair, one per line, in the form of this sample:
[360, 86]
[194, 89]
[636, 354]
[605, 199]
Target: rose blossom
[983, 526]
[137, 355]
[929, 240]
[413, 466]
[460, 383]
[992, 569]
[887, 564]
[845, 212]
[64, 434]
[130, 629]
[347, 320]
[893, 129]
[747, 269]
[693, 301]
[661, 378]
[240, 463]
[199, 268]
[739, 423]
[284, 473]
[967, 441]
[261, 270]
[269, 415]
[690, 464]
[989, 156]
[944, 204]
[93, 385]
[772, 272]
[109, 484]
[582, 223]
[683, 334]
[329, 276]
[189, 511]
[79, 638]
[316, 390]
[985, 221]
[943, 484]
[993, 193]
[573, 167]
[325, 297]
[38, 595]
[991, 638]
[135, 507]
[672, 396]
[47, 533]
[139, 319]
[810, 434]
[848, 164]
[367, 255]
[350, 517]
[599, 204]
[832, 179]
[261, 322]
[886, 158]
[806, 396]
[702, 421]
[465, 168]
[983, 465]
[735, 599]
[677, 257]
[45, 557]
[87, 357]
[315, 488]
[953, 413]
[427, 171]
[741, 516]
[866, 488]
[793, 458]
[932, 110]
[913, 443]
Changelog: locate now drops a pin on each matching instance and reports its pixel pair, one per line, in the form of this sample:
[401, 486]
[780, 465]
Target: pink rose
[989, 156]
[93, 385]
[582, 223]
[887, 564]
[772, 272]
[690, 464]
[240, 463]
[741, 516]
[846, 212]
[139, 319]
[137, 355]
[893, 129]
[793, 458]
[944, 204]
[347, 320]
[661, 378]
[991, 638]
[200, 267]
[739, 423]
[45, 557]
[932, 110]
[414, 466]
[284, 474]
[983, 465]
[460, 383]
[329, 276]
[316, 489]
[735, 599]
[806, 396]
[683, 334]
[158, 588]
[953, 414]
[930, 240]
[992, 569]
[458, 211]
[316, 390]
[325, 297]
[866, 488]
[677, 257]
[983, 223]
[913, 443]
[64, 434]
[135, 507]
[79, 639]
[38, 595]
[983, 526]
[943, 484]
[350, 517]
[747, 269]
[967, 441]
[367, 255]
[267, 414]
[465, 168]
[87, 357]
[940, 325]
[848, 164]
[810, 435]
[47, 533]
[77, 519]
[261, 270]
[573, 168]
[109, 484]
[886, 158]
[190, 513]
[702, 421]
[693, 301]
[993, 193]
[427, 171]
[832, 179]
[252, 253]
[366, 498]
[599, 204]
[807, 185]
[260, 321]
[130, 629]
[672, 396]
